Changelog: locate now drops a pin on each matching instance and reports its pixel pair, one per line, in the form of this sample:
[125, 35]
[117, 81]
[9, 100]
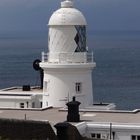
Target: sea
[116, 78]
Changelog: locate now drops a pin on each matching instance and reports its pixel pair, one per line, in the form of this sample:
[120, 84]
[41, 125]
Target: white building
[16, 97]
[106, 131]
[68, 65]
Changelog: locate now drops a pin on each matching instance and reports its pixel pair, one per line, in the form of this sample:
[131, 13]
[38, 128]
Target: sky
[33, 15]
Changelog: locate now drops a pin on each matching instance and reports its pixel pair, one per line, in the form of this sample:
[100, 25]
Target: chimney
[73, 111]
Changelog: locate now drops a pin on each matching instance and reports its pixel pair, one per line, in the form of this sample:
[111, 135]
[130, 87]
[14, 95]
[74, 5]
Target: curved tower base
[63, 81]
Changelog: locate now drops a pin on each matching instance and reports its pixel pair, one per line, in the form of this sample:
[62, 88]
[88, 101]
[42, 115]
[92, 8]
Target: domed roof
[67, 15]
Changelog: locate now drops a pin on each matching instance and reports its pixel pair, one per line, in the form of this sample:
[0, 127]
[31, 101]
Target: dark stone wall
[11, 129]
[66, 131]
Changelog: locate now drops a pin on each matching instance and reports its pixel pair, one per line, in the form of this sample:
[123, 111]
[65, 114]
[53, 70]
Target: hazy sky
[100, 14]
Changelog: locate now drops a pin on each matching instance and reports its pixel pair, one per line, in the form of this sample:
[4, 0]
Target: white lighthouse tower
[68, 65]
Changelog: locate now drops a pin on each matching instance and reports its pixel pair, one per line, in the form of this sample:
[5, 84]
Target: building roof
[12, 91]
[54, 115]
[17, 93]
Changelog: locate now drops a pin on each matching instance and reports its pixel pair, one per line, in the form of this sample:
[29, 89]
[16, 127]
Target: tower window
[80, 38]
[21, 105]
[78, 87]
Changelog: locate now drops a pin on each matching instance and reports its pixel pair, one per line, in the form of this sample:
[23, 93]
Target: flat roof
[54, 115]
[18, 91]
[15, 94]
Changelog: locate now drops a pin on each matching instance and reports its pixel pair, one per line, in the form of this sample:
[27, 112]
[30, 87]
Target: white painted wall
[61, 86]
[14, 101]
[123, 135]
[7, 103]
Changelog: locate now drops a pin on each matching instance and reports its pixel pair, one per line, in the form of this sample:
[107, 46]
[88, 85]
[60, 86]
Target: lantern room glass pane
[80, 38]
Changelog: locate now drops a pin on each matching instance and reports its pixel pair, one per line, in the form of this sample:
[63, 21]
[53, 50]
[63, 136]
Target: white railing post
[85, 57]
[43, 59]
[92, 57]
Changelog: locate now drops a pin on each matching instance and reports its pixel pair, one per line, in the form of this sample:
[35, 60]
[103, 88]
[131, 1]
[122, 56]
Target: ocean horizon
[116, 77]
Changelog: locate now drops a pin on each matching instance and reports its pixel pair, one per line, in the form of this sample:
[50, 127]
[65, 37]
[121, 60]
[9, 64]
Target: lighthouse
[68, 65]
